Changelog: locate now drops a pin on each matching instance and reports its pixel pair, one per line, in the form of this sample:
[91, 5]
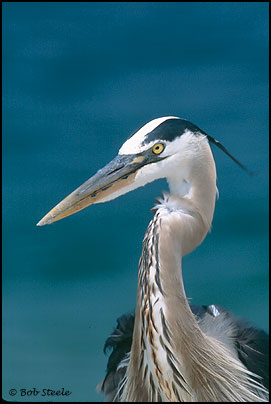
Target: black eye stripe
[173, 128]
[170, 130]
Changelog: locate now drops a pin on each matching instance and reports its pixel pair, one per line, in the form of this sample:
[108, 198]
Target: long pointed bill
[119, 173]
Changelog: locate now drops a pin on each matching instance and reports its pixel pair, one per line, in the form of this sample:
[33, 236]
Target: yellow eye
[158, 148]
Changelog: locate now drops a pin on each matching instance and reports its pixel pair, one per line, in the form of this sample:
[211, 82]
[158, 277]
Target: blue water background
[78, 79]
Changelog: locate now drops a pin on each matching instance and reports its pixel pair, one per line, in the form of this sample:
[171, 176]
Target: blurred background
[78, 79]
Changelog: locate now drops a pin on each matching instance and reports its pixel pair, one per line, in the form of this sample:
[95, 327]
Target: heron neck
[155, 347]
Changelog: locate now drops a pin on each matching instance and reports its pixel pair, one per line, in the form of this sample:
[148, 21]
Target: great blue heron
[170, 350]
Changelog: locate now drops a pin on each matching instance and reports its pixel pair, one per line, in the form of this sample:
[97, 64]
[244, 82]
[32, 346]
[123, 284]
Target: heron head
[154, 151]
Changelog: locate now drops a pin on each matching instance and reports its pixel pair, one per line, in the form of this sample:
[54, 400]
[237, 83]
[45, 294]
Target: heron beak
[119, 173]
